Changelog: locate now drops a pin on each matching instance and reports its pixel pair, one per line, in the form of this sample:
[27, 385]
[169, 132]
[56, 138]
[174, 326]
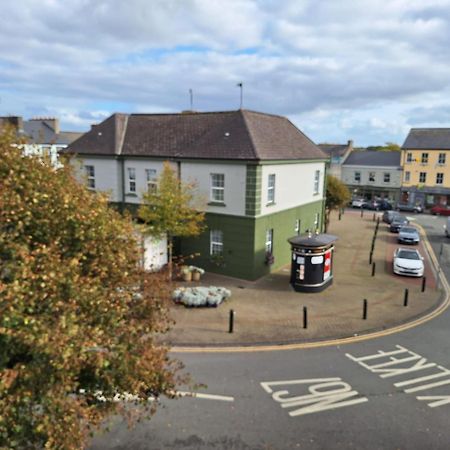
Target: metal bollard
[365, 309]
[231, 321]
[373, 219]
[370, 257]
[424, 283]
[305, 317]
[340, 214]
[373, 269]
[405, 300]
[362, 212]
[378, 222]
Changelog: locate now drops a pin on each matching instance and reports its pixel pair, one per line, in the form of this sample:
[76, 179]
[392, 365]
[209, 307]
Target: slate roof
[334, 149]
[373, 158]
[230, 135]
[427, 139]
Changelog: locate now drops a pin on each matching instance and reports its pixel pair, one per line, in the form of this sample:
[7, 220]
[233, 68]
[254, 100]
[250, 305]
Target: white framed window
[424, 159]
[422, 177]
[218, 187]
[407, 177]
[442, 158]
[386, 177]
[216, 242]
[271, 188]
[90, 176]
[316, 181]
[439, 178]
[131, 179]
[409, 157]
[372, 177]
[152, 180]
[357, 177]
[269, 241]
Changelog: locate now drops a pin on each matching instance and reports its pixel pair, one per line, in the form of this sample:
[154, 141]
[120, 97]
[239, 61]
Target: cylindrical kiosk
[312, 262]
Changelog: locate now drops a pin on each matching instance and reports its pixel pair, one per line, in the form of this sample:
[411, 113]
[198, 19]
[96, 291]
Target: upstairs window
[216, 242]
[357, 177]
[439, 178]
[271, 189]
[152, 180]
[316, 181]
[424, 159]
[407, 177]
[441, 159]
[422, 177]
[372, 177]
[217, 187]
[131, 179]
[387, 177]
[409, 157]
[90, 176]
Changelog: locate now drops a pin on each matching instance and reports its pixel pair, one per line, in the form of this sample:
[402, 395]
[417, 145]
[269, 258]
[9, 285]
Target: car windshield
[399, 219]
[408, 230]
[408, 254]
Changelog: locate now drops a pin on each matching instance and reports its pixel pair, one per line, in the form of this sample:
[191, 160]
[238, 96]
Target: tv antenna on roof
[241, 86]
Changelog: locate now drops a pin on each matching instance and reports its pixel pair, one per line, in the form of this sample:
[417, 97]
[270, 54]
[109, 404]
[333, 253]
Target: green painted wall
[244, 241]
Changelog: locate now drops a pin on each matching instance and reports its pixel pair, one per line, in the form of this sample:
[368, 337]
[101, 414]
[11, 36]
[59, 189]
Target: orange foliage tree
[77, 314]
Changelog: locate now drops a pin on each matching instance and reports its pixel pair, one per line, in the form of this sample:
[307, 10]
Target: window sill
[130, 194]
[216, 204]
[316, 193]
[270, 204]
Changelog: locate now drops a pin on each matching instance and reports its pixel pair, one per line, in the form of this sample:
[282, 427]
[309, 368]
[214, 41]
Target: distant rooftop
[427, 139]
[334, 150]
[373, 158]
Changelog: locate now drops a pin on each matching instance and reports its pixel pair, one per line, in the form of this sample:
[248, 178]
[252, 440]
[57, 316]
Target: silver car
[408, 235]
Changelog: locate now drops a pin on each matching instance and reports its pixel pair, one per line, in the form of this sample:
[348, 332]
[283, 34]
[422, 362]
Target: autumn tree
[79, 321]
[337, 197]
[173, 209]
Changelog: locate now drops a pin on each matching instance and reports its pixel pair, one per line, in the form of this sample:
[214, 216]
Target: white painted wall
[155, 253]
[235, 184]
[294, 185]
[107, 175]
[348, 176]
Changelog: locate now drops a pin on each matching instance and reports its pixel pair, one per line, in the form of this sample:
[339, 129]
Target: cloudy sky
[366, 70]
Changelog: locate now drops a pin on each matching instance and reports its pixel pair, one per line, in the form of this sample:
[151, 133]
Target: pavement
[269, 312]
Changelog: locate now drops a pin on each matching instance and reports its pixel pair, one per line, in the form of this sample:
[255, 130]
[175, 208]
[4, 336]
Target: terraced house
[263, 178]
[426, 166]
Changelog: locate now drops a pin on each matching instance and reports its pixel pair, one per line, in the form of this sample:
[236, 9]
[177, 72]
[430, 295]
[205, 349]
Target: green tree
[387, 147]
[173, 209]
[77, 314]
[337, 197]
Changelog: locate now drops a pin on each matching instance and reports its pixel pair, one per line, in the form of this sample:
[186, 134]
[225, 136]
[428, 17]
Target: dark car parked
[388, 216]
[397, 223]
[409, 208]
[379, 205]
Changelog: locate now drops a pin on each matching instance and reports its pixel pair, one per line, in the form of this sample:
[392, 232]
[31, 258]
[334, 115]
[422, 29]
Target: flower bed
[200, 296]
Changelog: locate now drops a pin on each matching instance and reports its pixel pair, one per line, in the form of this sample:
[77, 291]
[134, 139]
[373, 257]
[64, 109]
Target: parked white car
[408, 262]
[359, 203]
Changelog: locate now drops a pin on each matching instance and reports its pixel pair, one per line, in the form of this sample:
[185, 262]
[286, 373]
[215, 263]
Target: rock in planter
[201, 296]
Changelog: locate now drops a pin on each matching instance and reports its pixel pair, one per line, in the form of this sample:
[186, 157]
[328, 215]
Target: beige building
[426, 167]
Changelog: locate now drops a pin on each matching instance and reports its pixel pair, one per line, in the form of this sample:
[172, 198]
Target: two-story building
[262, 177]
[373, 174]
[426, 166]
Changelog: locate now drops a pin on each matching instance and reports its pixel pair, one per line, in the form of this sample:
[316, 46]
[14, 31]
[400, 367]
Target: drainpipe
[122, 183]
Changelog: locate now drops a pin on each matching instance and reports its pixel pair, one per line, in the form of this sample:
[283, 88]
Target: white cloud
[343, 70]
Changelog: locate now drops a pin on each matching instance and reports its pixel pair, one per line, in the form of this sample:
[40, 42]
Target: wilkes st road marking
[401, 362]
[324, 394]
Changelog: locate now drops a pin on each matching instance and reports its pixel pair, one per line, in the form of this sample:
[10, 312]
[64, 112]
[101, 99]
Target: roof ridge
[247, 127]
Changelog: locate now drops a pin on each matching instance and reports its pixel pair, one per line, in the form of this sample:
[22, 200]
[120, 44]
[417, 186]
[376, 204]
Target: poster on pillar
[327, 265]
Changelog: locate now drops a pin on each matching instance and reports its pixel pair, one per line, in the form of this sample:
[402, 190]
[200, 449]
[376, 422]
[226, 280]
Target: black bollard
[340, 214]
[370, 257]
[231, 321]
[378, 222]
[305, 317]
[405, 301]
[362, 211]
[373, 269]
[424, 283]
[373, 219]
[365, 309]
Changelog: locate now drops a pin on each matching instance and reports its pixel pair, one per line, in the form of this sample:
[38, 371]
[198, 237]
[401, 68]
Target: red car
[440, 210]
